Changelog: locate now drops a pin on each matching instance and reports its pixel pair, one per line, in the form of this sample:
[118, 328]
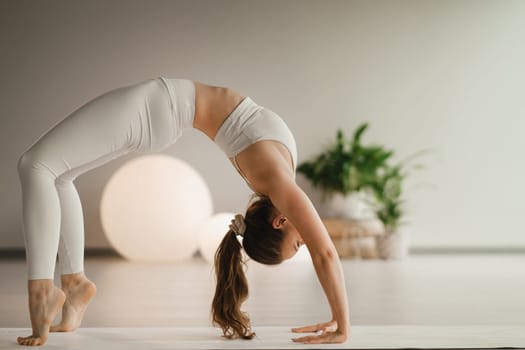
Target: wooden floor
[420, 290]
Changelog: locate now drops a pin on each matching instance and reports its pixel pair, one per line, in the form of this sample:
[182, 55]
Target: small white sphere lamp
[152, 206]
[211, 234]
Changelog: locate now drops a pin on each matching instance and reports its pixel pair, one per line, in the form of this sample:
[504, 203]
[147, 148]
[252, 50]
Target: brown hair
[261, 243]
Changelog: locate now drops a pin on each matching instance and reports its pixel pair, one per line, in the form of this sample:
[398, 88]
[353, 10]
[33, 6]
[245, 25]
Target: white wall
[446, 75]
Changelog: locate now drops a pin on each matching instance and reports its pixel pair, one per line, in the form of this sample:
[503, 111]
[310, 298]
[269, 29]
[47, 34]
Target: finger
[312, 328]
[301, 339]
[303, 329]
[319, 340]
[311, 339]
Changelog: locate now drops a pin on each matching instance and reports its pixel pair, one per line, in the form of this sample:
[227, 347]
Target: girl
[149, 116]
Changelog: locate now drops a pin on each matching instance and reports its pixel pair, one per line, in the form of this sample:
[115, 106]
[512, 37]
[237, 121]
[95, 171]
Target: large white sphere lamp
[152, 207]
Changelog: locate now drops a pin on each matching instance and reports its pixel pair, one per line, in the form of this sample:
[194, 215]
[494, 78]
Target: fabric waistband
[182, 97]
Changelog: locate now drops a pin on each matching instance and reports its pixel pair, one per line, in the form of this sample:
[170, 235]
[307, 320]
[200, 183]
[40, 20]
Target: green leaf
[357, 134]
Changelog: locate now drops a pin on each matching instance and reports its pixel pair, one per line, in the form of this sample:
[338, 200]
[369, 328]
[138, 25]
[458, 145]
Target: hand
[316, 327]
[329, 333]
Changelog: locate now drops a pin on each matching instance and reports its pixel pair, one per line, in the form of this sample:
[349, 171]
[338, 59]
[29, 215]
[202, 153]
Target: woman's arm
[292, 202]
[270, 174]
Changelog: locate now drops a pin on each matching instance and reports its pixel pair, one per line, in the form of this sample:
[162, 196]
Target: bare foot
[79, 291]
[45, 301]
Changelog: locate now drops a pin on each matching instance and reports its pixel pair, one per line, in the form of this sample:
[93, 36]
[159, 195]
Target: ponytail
[231, 290]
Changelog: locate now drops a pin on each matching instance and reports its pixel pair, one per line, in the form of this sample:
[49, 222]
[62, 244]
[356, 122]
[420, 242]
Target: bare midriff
[213, 104]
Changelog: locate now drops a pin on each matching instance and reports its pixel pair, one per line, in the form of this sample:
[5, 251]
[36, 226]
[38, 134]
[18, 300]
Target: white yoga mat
[362, 337]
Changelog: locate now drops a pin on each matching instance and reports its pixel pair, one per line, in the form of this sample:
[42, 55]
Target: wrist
[343, 328]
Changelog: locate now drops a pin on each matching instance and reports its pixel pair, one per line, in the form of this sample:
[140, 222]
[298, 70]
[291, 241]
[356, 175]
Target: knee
[30, 162]
[25, 162]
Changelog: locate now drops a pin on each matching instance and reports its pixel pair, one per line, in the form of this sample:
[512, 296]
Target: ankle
[72, 279]
[39, 287]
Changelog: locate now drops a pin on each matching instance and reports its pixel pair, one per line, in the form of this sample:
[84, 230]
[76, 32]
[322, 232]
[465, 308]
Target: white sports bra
[249, 123]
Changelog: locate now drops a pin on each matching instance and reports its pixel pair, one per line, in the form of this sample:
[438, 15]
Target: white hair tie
[238, 225]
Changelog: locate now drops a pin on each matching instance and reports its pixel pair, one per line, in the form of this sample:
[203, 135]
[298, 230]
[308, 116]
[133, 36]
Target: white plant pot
[352, 206]
[393, 245]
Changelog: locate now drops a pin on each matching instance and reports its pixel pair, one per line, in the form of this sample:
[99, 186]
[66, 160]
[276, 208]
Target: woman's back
[213, 104]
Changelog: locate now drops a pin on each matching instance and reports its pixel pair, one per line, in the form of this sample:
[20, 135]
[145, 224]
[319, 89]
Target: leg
[45, 300]
[71, 243]
[103, 129]
[79, 290]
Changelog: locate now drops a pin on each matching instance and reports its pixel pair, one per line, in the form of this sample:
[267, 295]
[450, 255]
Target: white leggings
[144, 117]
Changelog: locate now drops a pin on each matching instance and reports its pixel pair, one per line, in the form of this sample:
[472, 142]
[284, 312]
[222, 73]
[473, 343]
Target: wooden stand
[355, 238]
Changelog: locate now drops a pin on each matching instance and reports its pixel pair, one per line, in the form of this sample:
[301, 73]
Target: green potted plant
[344, 173]
[367, 183]
[388, 189]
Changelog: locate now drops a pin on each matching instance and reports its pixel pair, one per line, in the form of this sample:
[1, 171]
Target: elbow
[325, 256]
